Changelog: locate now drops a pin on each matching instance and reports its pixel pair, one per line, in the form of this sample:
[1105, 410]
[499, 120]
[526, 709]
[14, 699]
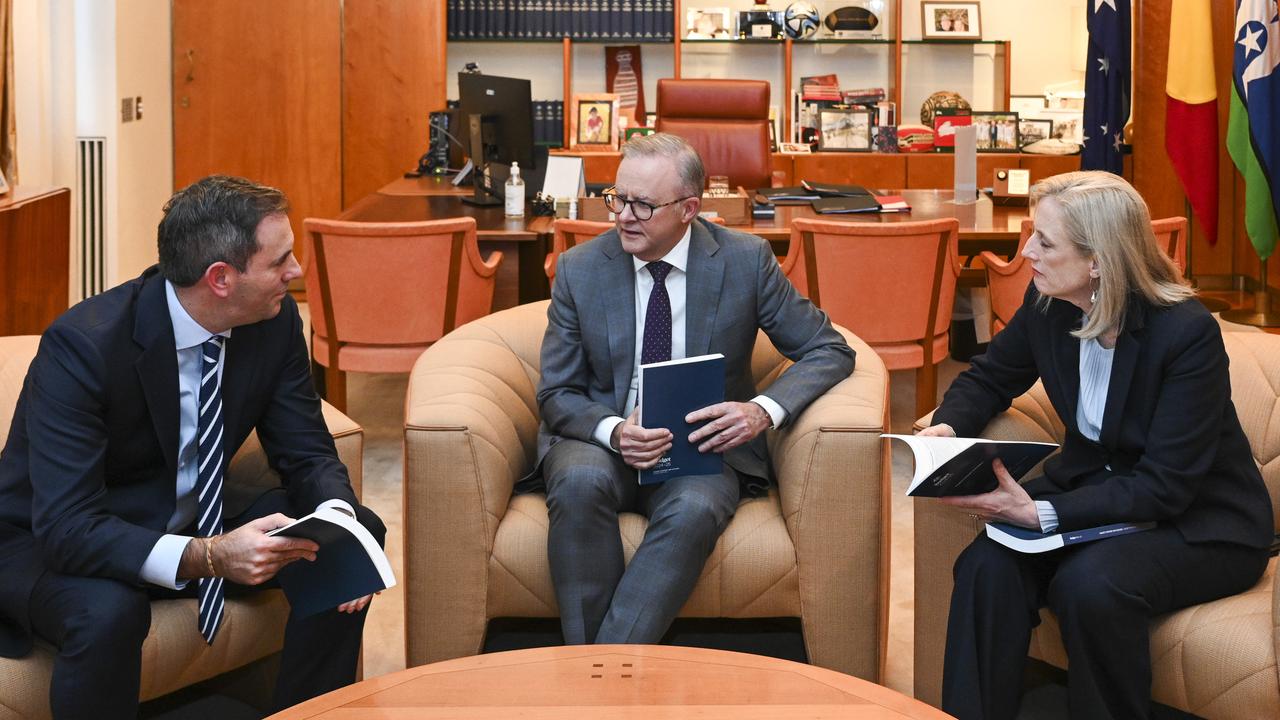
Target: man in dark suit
[662, 285]
[111, 479]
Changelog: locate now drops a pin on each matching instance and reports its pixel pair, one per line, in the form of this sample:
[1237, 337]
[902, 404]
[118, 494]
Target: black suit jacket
[87, 476]
[1170, 436]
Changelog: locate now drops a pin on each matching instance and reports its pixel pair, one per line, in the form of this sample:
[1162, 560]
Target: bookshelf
[908, 69]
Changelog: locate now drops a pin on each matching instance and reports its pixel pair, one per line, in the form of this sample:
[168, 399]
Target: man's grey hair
[672, 147]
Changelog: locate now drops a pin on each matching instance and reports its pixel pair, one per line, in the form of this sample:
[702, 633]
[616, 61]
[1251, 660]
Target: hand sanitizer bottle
[514, 193]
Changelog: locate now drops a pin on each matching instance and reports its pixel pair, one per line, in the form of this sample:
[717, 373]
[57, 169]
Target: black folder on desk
[843, 205]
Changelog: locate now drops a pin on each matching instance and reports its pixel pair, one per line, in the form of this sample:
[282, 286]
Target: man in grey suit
[661, 285]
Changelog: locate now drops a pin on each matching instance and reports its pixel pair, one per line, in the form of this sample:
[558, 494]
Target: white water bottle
[514, 193]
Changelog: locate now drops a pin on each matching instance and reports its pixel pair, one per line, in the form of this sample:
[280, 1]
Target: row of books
[548, 123]
[643, 20]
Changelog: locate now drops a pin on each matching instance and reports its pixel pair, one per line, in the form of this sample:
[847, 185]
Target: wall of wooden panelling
[392, 76]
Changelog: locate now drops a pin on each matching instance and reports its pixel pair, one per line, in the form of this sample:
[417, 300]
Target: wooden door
[257, 92]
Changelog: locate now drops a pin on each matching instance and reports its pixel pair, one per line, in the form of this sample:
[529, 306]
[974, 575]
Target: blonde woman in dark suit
[1136, 369]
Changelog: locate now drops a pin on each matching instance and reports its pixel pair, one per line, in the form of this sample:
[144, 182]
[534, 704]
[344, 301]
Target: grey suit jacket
[734, 287]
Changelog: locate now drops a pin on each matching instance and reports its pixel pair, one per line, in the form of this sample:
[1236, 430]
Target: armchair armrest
[942, 532]
[832, 473]
[249, 473]
[470, 429]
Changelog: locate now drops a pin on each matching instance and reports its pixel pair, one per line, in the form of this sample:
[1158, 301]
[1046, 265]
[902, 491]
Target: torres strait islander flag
[1191, 111]
[1253, 138]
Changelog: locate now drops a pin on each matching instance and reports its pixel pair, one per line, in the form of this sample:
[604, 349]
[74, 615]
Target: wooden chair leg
[335, 382]
[926, 389]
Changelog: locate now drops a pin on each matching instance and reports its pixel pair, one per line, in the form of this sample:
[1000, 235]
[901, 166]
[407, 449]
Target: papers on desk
[892, 204]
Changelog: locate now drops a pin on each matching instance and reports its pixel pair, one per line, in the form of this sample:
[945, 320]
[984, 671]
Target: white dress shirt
[678, 258]
[161, 566]
[1095, 381]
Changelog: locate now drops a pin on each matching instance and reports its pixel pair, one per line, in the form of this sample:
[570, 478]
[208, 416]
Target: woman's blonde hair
[1107, 220]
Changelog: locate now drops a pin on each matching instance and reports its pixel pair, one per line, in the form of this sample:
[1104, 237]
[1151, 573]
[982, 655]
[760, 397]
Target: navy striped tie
[209, 479]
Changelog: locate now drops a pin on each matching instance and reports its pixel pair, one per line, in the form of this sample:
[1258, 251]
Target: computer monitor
[496, 127]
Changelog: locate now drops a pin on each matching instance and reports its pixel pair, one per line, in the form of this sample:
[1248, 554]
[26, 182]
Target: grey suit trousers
[603, 600]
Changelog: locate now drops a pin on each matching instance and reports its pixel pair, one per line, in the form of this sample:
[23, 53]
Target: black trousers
[1103, 593]
[99, 624]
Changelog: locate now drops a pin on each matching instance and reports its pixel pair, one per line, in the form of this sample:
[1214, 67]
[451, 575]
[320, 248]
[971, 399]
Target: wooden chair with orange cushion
[1007, 280]
[381, 293]
[566, 233]
[891, 284]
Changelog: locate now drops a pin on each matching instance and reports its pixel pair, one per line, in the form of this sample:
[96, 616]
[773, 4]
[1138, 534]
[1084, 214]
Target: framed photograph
[951, 20]
[1067, 124]
[594, 122]
[845, 130]
[1033, 130]
[997, 131]
[707, 23]
[945, 123]
[795, 148]
[1027, 106]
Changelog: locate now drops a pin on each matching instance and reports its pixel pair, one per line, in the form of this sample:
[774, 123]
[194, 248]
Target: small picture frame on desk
[845, 130]
[794, 148]
[951, 20]
[593, 125]
[996, 131]
[1033, 130]
[4, 185]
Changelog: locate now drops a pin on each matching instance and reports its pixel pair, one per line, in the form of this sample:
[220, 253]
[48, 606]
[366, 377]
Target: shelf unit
[789, 49]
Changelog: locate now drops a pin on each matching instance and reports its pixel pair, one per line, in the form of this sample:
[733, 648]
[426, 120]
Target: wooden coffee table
[614, 681]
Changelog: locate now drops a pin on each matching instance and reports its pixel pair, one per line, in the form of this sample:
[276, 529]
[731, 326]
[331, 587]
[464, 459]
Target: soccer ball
[801, 19]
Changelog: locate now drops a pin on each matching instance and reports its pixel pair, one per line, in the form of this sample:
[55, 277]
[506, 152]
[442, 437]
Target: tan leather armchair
[817, 547]
[1216, 660]
[174, 655]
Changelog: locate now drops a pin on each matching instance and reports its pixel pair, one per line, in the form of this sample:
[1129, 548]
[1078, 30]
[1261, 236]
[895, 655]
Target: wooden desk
[527, 240]
[524, 242]
[35, 251]
[644, 682]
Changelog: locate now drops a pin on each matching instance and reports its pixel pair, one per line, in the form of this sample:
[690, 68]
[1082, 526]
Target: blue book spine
[1075, 537]
[669, 392]
[627, 25]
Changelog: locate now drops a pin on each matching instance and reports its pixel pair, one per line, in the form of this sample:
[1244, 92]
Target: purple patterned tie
[657, 319]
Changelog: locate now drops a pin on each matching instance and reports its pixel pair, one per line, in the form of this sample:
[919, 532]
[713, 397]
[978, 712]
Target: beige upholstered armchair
[817, 547]
[1216, 660]
[174, 655]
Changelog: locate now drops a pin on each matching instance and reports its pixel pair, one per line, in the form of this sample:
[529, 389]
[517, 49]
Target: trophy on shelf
[858, 21]
[760, 23]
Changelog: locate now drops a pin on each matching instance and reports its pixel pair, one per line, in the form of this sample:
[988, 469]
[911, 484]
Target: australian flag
[1106, 85]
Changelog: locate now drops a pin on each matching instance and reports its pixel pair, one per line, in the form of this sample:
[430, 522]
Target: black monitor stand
[482, 195]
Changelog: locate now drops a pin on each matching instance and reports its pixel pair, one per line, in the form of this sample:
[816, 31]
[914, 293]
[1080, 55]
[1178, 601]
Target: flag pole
[1261, 315]
[1213, 305]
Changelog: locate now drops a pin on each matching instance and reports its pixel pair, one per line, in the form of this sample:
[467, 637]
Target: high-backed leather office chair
[1007, 280]
[381, 293]
[566, 233]
[815, 547]
[892, 284]
[726, 121]
[1216, 660]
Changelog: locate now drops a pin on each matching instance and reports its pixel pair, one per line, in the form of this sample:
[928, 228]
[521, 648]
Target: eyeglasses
[639, 208]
